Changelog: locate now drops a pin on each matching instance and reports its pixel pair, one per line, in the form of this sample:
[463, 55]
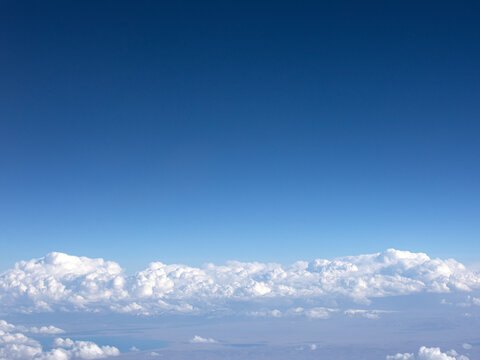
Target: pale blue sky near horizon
[255, 132]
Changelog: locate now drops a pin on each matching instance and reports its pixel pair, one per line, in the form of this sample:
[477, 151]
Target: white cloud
[15, 345]
[369, 314]
[50, 330]
[468, 302]
[61, 280]
[404, 356]
[70, 283]
[467, 346]
[45, 330]
[201, 340]
[85, 349]
[276, 313]
[426, 353]
[475, 301]
[319, 313]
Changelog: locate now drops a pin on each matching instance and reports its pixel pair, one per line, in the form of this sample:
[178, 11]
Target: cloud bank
[15, 345]
[61, 282]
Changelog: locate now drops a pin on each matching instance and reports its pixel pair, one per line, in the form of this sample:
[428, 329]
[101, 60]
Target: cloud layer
[14, 345]
[69, 283]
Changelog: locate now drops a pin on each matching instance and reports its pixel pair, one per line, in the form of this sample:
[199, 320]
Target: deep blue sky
[205, 131]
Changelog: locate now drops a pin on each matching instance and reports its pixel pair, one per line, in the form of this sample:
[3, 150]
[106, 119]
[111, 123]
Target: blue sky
[193, 133]
[249, 131]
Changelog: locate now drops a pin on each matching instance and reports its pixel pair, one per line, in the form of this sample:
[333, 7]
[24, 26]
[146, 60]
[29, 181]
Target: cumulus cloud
[70, 283]
[84, 349]
[58, 280]
[426, 353]
[201, 340]
[16, 345]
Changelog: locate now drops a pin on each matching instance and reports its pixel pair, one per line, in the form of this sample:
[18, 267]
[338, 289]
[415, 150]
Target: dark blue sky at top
[206, 131]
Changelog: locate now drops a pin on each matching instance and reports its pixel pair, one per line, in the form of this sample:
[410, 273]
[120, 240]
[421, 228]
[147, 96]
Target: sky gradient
[196, 133]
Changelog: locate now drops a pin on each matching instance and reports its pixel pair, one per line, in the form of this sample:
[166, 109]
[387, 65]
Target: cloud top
[63, 282]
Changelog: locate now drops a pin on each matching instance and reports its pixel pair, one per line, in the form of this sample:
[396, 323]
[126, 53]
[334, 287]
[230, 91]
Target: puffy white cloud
[63, 282]
[429, 353]
[467, 346]
[201, 340]
[15, 345]
[58, 280]
[18, 346]
[84, 349]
